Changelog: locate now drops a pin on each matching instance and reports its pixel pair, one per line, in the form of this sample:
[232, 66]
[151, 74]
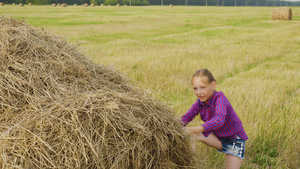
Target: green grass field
[256, 62]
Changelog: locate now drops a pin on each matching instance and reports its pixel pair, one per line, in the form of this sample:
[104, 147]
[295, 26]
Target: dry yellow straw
[281, 13]
[61, 110]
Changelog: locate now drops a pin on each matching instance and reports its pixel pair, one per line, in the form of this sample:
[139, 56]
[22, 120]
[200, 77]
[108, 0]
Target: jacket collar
[209, 102]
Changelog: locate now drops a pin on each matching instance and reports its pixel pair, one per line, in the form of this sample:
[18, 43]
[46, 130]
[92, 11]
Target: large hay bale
[64, 5]
[61, 110]
[281, 13]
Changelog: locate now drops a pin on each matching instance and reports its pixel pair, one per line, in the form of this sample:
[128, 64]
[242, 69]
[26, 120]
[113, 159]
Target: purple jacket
[219, 117]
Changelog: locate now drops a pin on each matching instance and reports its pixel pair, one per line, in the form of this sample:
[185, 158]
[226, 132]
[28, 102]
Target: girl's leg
[211, 140]
[233, 162]
[193, 143]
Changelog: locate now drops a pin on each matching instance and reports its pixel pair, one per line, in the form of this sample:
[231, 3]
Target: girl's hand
[194, 130]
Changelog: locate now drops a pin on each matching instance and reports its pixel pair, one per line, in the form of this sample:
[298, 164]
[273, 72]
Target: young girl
[222, 129]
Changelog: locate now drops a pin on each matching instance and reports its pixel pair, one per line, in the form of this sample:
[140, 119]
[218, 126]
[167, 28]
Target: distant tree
[140, 2]
[94, 2]
[37, 2]
[127, 2]
[111, 2]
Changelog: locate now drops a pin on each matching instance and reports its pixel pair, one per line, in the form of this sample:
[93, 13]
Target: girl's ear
[214, 85]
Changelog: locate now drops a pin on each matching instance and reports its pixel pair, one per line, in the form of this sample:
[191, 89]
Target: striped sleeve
[190, 114]
[218, 120]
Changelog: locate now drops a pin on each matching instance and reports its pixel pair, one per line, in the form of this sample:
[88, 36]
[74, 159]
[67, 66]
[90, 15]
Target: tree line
[162, 2]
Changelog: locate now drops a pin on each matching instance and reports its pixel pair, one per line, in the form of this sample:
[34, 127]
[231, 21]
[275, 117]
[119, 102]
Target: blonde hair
[204, 73]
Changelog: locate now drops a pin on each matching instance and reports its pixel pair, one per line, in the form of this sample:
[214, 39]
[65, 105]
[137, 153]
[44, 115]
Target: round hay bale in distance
[282, 13]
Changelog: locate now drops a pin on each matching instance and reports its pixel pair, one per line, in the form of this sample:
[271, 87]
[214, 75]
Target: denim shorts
[234, 147]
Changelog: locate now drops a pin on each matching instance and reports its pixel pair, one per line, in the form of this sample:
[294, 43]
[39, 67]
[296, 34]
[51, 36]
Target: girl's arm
[190, 114]
[194, 130]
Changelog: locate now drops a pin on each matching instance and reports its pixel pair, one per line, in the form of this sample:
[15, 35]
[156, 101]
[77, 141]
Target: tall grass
[256, 62]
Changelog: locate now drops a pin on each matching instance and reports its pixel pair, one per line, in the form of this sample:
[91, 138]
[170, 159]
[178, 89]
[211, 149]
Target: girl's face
[202, 88]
